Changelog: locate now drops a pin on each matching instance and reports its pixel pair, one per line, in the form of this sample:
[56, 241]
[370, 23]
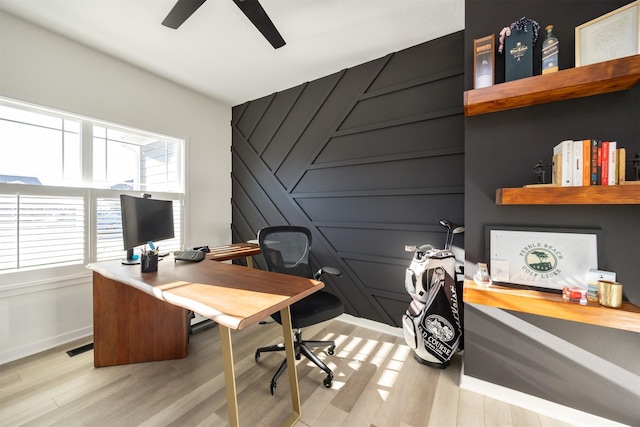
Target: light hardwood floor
[377, 383]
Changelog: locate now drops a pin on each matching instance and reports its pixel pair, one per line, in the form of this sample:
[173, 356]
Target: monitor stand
[131, 259]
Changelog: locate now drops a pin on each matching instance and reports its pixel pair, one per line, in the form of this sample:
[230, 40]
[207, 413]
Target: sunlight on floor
[355, 352]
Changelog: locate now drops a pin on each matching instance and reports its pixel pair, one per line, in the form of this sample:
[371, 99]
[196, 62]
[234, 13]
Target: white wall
[43, 68]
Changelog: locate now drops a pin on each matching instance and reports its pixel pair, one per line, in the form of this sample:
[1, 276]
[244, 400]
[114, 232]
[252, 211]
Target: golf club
[446, 224]
[455, 231]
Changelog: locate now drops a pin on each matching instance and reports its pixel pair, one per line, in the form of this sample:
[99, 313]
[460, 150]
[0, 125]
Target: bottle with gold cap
[549, 51]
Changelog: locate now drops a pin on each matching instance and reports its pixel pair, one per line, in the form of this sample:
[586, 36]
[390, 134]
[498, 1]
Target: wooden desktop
[142, 317]
[234, 251]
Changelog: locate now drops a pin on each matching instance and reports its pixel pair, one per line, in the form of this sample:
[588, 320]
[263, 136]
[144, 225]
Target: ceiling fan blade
[181, 11]
[259, 18]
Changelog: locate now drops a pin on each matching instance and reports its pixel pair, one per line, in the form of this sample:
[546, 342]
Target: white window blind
[41, 231]
[108, 229]
[8, 232]
[109, 243]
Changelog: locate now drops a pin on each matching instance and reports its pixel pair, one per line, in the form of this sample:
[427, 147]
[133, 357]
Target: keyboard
[189, 255]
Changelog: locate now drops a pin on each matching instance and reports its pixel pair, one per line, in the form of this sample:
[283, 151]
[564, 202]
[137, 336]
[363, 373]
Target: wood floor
[376, 383]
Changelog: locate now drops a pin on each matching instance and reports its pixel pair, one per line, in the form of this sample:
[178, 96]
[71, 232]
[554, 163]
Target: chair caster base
[327, 381]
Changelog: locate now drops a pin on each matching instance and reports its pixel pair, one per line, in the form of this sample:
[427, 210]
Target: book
[608, 163]
[621, 158]
[612, 164]
[556, 171]
[586, 162]
[565, 150]
[577, 163]
[595, 162]
[604, 163]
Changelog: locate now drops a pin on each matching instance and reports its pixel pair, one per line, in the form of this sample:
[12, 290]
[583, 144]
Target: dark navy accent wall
[369, 158]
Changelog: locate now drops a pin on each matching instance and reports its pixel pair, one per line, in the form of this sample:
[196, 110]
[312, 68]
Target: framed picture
[611, 36]
[544, 259]
[483, 64]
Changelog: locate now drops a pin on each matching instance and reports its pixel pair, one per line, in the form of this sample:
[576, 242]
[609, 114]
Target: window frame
[89, 195]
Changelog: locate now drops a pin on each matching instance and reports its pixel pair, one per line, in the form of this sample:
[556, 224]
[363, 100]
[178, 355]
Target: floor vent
[80, 350]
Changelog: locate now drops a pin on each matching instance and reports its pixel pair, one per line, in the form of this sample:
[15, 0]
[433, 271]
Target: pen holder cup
[149, 262]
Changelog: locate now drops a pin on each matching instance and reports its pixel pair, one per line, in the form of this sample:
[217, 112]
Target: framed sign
[611, 36]
[541, 259]
[483, 65]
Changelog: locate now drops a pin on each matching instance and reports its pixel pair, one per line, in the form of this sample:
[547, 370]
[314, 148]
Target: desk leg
[130, 326]
[229, 374]
[287, 333]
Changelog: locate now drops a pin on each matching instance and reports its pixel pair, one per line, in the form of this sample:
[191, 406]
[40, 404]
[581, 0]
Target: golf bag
[433, 322]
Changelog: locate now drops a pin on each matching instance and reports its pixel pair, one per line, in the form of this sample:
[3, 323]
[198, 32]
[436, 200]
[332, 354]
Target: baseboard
[371, 324]
[535, 404]
[46, 344]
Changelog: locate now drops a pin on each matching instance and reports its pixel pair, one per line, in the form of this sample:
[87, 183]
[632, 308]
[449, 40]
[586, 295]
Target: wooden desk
[135, 314]
[233, 251]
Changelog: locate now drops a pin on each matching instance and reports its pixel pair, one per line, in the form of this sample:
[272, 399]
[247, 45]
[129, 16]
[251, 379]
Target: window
[39, 148]
[61, 177]
[134, 161]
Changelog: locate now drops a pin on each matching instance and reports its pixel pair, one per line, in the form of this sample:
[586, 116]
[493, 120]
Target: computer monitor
[144, 220]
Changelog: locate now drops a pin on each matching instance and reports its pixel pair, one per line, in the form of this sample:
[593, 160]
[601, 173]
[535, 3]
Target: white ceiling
[219, 53]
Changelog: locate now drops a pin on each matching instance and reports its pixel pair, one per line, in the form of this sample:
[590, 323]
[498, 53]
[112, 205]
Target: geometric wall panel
[369, 158]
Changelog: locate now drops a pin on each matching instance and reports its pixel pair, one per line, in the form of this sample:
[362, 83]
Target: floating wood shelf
[603, 77]
[552, 305]
[591, 195]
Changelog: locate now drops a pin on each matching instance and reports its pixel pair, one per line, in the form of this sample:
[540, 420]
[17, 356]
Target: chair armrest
[327, 270]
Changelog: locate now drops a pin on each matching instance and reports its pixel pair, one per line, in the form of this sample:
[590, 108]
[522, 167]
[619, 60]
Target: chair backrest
[286, 249]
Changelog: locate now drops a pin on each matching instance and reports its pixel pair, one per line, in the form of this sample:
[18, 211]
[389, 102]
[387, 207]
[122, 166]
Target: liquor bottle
[549, 52]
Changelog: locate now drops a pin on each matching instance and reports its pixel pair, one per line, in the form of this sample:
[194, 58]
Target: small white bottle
[583, 297]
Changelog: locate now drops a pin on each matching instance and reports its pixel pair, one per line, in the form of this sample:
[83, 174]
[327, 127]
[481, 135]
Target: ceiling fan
[183, 9]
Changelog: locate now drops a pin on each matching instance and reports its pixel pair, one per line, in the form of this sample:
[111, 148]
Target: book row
[586, 162]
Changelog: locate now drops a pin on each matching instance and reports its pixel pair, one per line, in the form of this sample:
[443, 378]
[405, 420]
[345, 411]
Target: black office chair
[286, 250]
